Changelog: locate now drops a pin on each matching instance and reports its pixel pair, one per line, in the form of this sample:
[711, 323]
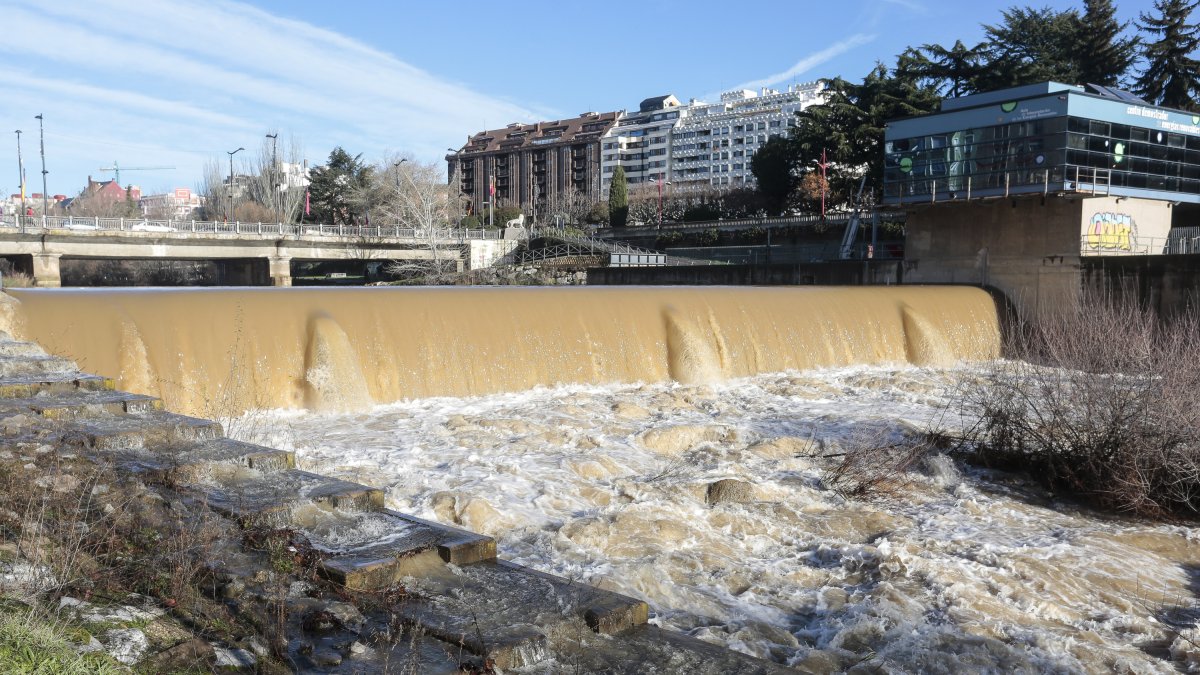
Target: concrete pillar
[46, 270]
[281, 270]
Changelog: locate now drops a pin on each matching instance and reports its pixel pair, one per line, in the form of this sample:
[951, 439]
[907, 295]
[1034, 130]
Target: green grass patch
[32, 646]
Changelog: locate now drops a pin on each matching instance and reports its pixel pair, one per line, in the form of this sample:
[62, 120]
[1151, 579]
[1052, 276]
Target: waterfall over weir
[220, 352]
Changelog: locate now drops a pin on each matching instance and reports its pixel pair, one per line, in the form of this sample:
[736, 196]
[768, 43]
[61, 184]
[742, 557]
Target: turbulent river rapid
[964, 571]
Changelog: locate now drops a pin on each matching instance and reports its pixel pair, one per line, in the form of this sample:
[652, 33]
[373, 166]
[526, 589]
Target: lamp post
[274, 192]
[231, 153]
[824, 182]
[20, 176]
[397, 165]
[660, 200]
[42, 138]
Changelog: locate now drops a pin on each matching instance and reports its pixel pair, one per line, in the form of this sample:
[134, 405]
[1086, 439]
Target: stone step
[17, 348]
[81, 404]
[191, 462]
[143, 430]
[649, 649]
[25, 387]
[253, 496]
[510, 614]
[35, 366]
[375, 550]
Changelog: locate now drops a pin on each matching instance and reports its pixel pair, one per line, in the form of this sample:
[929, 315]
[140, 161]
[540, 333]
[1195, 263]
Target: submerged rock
[730, 491]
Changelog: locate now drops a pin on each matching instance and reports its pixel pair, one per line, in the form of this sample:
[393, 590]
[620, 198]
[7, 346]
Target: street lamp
[660, 200]
[274, 162]
[397, 165]
[231, 153]
[42, 138]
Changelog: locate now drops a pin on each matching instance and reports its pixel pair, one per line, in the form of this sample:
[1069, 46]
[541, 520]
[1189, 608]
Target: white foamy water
[965, 571]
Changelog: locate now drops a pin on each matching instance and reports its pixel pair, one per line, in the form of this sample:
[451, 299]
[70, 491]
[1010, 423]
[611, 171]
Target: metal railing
[1107, 244]
[298, 230]
[763, 254]
[572, 245]
[806, 219]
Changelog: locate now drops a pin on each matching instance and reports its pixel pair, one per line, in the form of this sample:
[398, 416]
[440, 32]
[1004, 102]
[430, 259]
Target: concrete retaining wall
[841, 273]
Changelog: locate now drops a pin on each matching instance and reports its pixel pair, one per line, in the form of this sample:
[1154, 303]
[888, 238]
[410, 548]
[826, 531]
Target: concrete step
[143, 430]
[35, 366]
[81, 404]
[9, 347]
[191, 462]
[63, 383]
[649, 649]
[375, 550]
[253, 496]
[513, 615]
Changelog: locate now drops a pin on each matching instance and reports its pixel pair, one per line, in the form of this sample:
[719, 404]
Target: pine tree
[1172, 76]
[618, 199]
[1030, 45]
[1104, 56]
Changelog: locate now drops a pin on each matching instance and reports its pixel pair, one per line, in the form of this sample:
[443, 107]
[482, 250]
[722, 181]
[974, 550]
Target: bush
[1098, 401]
[470, 223]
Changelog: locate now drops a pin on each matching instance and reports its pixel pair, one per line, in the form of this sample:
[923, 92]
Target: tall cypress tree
[1104, 56]
[1172, 76]
[618, 199]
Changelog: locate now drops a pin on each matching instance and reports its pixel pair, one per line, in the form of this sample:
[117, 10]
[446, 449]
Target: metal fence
[1116, 244]
[298, 230]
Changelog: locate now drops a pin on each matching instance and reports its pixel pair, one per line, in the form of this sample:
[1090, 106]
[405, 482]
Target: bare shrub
[1097, 401]
[873, 467]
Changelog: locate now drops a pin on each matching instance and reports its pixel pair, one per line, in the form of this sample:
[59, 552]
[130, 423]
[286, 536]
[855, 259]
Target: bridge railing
[1121, 244]
[300, 230]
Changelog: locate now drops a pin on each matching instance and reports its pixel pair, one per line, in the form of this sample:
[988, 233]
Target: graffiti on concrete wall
[1112, 232]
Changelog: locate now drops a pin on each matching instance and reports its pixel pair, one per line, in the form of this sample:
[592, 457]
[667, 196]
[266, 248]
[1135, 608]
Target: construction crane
[116, 169]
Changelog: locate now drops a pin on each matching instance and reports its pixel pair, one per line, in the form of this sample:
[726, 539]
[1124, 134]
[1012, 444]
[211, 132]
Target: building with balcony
[640, 142]
[530, 164]
[712, 145]
[178, 204]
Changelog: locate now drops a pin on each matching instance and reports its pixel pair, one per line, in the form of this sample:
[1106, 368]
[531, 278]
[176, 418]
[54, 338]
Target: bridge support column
[46, 270]
[281, 270]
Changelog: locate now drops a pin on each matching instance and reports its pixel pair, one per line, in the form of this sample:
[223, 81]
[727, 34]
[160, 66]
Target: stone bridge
[251, 253]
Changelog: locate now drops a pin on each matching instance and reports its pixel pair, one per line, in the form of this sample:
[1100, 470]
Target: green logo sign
[906, 164]
[1008, 107]
[1195, 119]
[1118, 153]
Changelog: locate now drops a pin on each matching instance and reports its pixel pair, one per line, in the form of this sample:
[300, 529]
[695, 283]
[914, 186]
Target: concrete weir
[457, 597]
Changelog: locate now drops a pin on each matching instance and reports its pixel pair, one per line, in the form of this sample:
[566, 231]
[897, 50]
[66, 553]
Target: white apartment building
[714, 142]
[641, 142]
[701, 145]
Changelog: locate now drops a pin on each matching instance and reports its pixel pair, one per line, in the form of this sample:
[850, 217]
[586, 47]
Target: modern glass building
[1044, 138]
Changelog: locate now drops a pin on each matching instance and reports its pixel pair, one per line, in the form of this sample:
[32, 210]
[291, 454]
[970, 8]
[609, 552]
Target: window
[775, 124]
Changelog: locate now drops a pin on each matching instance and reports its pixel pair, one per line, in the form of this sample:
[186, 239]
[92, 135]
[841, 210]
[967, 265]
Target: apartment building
[713, 143]
[640, 142]
[528, 164]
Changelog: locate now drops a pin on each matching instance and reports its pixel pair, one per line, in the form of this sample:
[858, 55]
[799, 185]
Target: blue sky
[174, 83]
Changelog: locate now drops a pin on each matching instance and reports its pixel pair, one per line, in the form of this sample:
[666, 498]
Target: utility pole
[274, 163]
[397, 165]
[42, 136]
[231, 153]
[21, 175]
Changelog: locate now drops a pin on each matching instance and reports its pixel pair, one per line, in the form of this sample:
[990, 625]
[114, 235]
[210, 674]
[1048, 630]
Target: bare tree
[569, 205]
[271, 173]
[213, 191]
[420, 200]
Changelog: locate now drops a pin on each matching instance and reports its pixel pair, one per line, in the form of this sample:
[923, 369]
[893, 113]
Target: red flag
[307, 210]
[492, 186]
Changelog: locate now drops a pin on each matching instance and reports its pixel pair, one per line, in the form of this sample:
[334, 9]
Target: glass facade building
[1044, 138]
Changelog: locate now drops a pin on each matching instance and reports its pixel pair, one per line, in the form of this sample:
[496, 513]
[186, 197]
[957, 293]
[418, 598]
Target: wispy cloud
[910, 5]
[220, 73]
[811, 61]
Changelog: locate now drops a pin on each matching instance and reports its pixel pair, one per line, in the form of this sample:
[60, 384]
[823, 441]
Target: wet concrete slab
[252, 495]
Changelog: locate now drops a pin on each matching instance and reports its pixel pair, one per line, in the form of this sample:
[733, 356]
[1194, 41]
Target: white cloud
[809, 62]
[218, 74]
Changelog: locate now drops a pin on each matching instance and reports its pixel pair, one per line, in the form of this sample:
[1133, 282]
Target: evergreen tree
[774, 166]
[952, 72]
[333, 188]
[618, 199]
[1104, 57]
[849, 127]
[1172, 76]
[1031, 45]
